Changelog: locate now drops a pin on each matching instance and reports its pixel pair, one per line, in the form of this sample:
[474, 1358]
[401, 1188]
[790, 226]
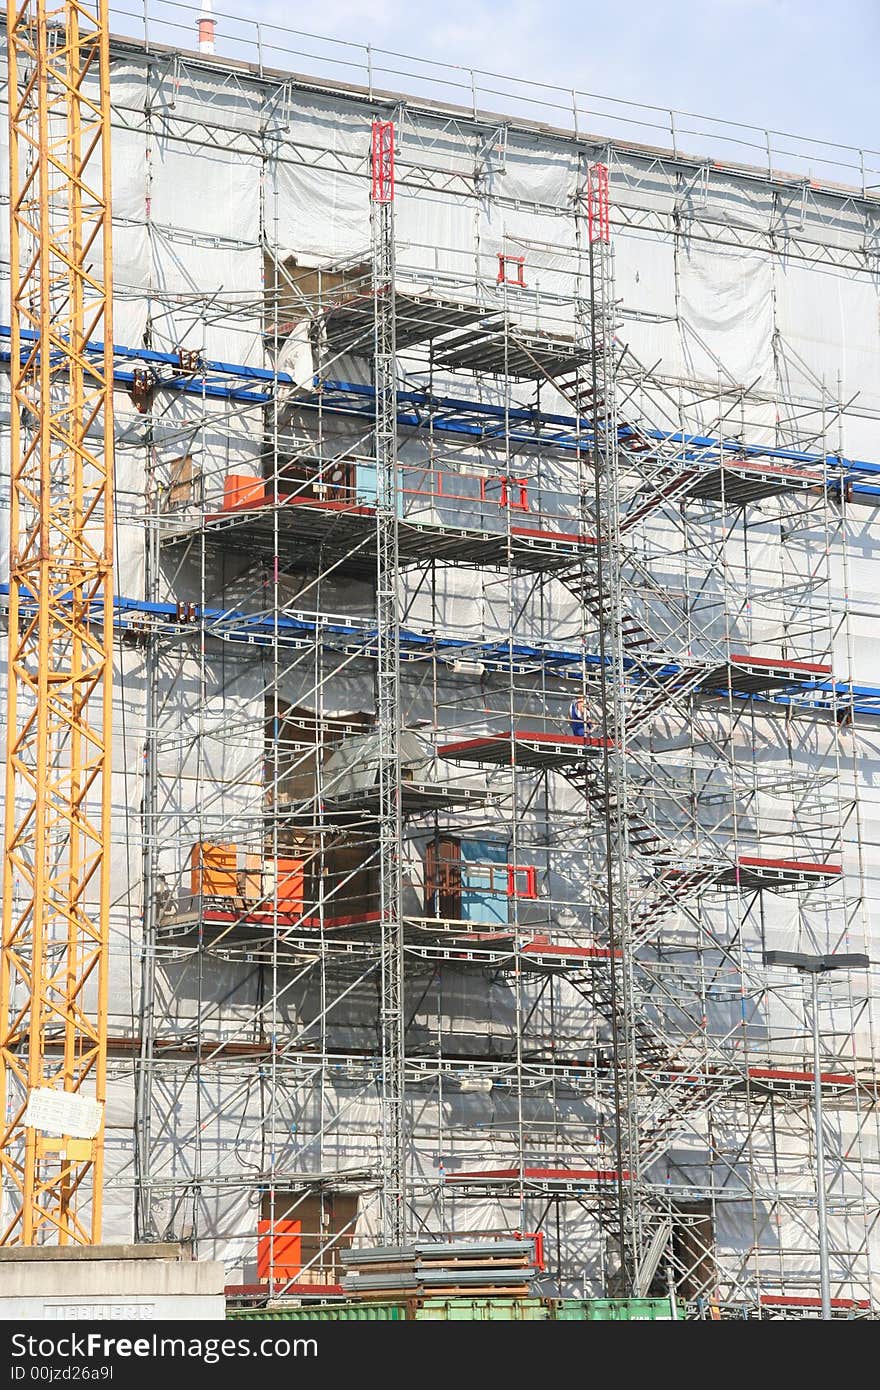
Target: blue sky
[797, 65]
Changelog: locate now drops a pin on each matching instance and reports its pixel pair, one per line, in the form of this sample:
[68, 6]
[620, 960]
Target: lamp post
[814, 966]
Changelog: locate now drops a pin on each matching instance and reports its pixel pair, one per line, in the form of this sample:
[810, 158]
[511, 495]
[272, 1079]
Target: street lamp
[814, 966]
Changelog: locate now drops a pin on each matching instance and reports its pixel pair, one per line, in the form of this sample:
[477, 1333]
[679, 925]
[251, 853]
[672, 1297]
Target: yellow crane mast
[56, 886]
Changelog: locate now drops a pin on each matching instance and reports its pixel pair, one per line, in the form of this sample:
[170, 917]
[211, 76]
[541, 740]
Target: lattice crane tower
[56, 888]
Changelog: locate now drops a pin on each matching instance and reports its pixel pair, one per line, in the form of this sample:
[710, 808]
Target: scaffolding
[493, 725]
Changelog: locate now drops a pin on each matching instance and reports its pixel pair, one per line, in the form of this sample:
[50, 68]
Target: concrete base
[109, 1283]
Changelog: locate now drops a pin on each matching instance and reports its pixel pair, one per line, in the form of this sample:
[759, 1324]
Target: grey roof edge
[122, 43]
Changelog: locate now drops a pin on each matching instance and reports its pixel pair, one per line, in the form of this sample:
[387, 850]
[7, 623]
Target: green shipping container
[614, 1310]
[325, 1312]
[483, 1310]
[470, 1310]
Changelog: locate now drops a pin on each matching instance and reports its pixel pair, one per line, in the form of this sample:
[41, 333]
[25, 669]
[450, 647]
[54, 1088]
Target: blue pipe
[329, 394]
[260, 630]
[166, 359]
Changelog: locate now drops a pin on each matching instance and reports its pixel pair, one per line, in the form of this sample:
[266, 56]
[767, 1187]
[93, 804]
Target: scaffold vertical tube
[388, 688]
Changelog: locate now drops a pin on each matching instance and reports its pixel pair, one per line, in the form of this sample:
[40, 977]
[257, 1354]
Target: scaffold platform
[527, 748]
[298, 527]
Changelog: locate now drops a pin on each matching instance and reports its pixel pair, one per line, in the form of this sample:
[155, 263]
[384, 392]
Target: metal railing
[587, 115]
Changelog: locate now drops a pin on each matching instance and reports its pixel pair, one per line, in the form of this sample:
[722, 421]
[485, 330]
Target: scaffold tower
[485, 700]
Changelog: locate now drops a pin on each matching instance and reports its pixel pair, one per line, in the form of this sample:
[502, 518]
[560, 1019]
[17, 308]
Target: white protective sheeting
[715, 311]
[727, 308]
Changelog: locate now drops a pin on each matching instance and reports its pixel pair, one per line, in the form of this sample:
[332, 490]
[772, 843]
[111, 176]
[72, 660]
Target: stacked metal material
[441, 1268]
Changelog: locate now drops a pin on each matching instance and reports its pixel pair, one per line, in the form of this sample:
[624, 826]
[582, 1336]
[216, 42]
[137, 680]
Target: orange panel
[214, 870]
[283, 1250]
[289, 884]
[239, 489]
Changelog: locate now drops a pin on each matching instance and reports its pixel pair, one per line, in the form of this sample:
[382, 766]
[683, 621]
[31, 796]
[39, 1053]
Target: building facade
[494, 689]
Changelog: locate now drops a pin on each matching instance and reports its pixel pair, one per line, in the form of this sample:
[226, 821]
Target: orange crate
[241, 489]
[214, 870]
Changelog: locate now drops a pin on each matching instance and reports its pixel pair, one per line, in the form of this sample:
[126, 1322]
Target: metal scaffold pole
[56, 878]
[143, 1213]
[390, 828]
[600, 398]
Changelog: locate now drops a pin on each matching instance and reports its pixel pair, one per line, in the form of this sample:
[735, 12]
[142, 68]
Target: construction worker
[581, 726]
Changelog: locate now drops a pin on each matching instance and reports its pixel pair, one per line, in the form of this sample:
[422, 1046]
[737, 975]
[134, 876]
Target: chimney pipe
[207, 25]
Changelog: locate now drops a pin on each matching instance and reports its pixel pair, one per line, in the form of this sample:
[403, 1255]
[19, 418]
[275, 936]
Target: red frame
[382, 161]
[538, 1238]
[531, 888]
[519, 262]
[521, 487]
[510, 872]
[598, 203]
[519, 502]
